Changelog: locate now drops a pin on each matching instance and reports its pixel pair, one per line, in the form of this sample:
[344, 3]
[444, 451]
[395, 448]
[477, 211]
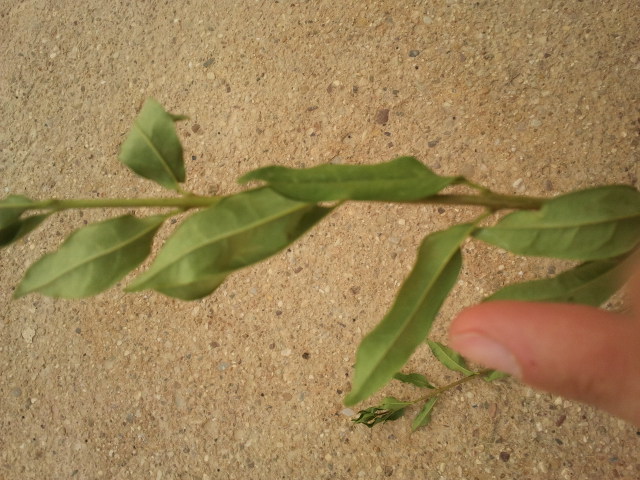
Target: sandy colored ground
[536, 97]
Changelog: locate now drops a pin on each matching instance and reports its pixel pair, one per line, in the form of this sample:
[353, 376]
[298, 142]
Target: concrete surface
[537, 98]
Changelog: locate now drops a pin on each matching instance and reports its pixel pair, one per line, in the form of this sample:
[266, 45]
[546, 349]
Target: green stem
[492, 201]
[186, 202]
[437, 391]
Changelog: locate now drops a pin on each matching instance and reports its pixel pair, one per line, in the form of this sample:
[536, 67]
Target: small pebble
[433, 143]
[519, 184]
[382, 116]
[505, 456]
[28, 333]
[414, 53]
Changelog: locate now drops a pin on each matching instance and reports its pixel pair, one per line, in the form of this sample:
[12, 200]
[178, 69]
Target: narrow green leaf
[368, 417]
[590, 224]
[494, 375]
[414, 379]
[12, 227]
[92, 258]
[402, 179]
[449, 358]
[591, 283]
[237, 231]
[153, 149]
[424, 415]
[388, 346]
[20, 228]
[390, 409]
[11, 208]
[392, 403]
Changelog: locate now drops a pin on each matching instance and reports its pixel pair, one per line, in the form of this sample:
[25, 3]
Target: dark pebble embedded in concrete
[382, 116]
[414, 53]
[505, 456]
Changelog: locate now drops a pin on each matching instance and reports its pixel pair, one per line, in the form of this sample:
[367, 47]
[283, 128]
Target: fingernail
[487, 352]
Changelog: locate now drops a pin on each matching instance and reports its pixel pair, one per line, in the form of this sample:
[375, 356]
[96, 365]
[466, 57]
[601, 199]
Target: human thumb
[579, 352]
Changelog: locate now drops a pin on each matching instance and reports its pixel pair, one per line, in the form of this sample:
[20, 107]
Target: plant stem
[185, 202]
[437, 391]
[492, 201]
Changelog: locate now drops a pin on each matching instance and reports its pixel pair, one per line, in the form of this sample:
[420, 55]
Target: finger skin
[579, 352]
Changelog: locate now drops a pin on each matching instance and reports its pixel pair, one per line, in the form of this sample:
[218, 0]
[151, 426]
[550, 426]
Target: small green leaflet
[494, 375]
[12, 227]
[92, 258]
[384, 351]
[591, 283]
[414, 379]
[449, 358]
[153, 149]
[390, 409]
[590, 224]
[424, 415]
[236, 232]
[402, 179]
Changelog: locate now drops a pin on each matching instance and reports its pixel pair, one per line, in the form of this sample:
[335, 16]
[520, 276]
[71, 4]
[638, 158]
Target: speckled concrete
[536, 97]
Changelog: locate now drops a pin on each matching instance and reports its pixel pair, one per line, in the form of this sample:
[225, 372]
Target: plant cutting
[598, 227]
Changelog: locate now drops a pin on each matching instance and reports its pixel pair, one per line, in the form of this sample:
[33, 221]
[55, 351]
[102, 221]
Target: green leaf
[388, 346]
[235, 232]
[12, 227]
[591, 283]
[11, 208]
[590, 224]
[449, 358]
[368, 417]
[390, 409]
[153, 149]
[414, 379]
[494, 375]
[424, 415]
[21, 228]
[402, 179]
[392, 403]
[92, 258]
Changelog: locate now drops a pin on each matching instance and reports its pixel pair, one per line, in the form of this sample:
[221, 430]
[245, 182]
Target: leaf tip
[350, 399]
